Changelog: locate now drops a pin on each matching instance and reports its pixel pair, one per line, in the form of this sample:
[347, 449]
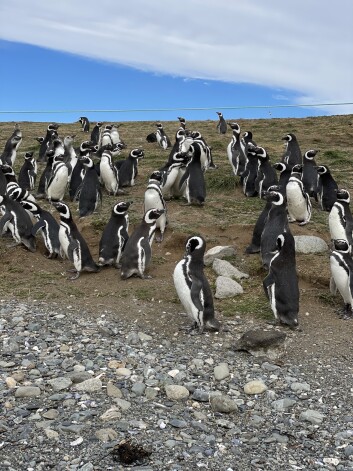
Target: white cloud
[299, 45]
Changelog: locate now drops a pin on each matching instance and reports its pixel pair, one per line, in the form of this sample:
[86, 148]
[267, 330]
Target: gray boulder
[224, 268]
[227, 288]
[310, 244]
[220, 251]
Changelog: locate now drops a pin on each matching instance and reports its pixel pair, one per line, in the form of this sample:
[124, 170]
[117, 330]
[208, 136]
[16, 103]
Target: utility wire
[174, 109]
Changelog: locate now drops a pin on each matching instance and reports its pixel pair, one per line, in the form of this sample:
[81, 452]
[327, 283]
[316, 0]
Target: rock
[27, 391]
[111, 414]
[79, 376]
[113, 391]
[200, 395]
[10, 382]
[177, 423]
[226, 288]
[262, 342]
[89, 385]
[300, 387]
[176, 392]
[220, 251]
[309, 244]
[138, 388]
[51, 434]
[123, 372]
[313, 416]
[115, 364]
[51, 414]
[255, 387]
[58, 384]
[122, 404]
[106, 434]
[283, 404]
[224, 268]
[151, 393]
[224, 404]
[144, 337]
[221, 371]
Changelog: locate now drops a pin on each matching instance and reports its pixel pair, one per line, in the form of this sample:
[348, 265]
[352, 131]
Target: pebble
[89, 385]
[27, 391]
[114, 391]
[176, 392]
[223, 404]
[123, 372]
[221, 371]
[111, 414]
[313, 416]
[106, 434]
[58, 384]
[255, 387]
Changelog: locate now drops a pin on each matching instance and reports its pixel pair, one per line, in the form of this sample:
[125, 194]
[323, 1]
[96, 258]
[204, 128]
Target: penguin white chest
[336, 223]
[298, 206]
[183, 290]
[341, 278]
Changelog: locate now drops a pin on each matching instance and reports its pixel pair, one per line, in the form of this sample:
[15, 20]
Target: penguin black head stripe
[63, 209]
[122, 207]
[343, 195]
[194, 243]
[341, 245]
[152, 215]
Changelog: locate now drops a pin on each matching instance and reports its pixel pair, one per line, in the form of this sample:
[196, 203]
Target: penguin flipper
[37, 226]
[184, 178]
[78, 192]
[333, 287]
[267, 283]
[195, 293]
[4, 220]
[72, 249]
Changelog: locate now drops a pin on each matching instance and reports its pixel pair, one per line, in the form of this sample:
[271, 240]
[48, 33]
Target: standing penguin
[309, 175]
[127, 169]
[340, 219]
[48, 226]
[298, 201]
[326, 188]
[266, 174]
[47, 143]
[192, 286]
[162, 139]
[84, 123]
[222, 124]
[45, 176]
[109, 173]
[78, 171]
[341, 264]
[28, 172]
[18, 222]
[235, 151]
[137, 252]
[57, 183]
[73, 244]
[172, 174]
[10, 151]
[90, 194]
[284, 175]
[248, 177]
[281, 283]
[195, 191]
[95, 133]
[247, 141]
[154, 199]
[292, 154]
[114, 236]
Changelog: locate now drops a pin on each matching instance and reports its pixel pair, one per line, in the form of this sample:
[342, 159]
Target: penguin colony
[85, 174]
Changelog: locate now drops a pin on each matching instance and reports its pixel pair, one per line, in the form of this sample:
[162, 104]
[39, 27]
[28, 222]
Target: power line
[143, 110]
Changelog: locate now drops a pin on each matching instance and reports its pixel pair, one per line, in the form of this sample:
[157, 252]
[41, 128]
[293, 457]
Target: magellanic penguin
[340, 219]
[47, 143]
[12, 144]
[172, 174]
[153, 198]
[195, 191]
[285, 173]
[78, 171]
[309, 174]
[248, 177]
[114, 236]
[326, 188]
[281, 283]
[14, 191]
[222, 124]
[84, 123]
[16, 219]
[292, 154]
[57, 183]
[192, 286]
[96, 133]
[90, 193]
[127, 169]
[73, 244]
[206, 158]
[276, 223]
[236, 156]
[162, 139]
[298, 201]
[137, 253]
[28, 172]
[48, 227]
[109, 173]
[247, 141]
[341, 264]
[266, 174]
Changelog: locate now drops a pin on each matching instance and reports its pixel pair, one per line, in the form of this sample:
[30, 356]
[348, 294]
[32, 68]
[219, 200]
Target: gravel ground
[75, 386]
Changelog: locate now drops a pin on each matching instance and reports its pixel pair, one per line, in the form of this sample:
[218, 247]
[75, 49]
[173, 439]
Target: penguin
[9, 173]
[28, 172]
[222, 124]
[48, 227]
[292, 154]
[57, 183]
[248, 177]
[84, 123]
[162, 139]
[182, 122]
[153, 198]
[151, 137]
[78, 172]
[180, 137]
[266, 174]
[45, 176]
[247, 141]
[171, 176]
[3, 181]
[235, 151]
[18, 222]
[341, 265]
[284, 175]
[14, 191]
[195, 190]
[70, 156]
[109, 173]
[46, 144]
[281, 284]
[193, 288]
[127, 169]
[90, 194]
[8, 157]
[254, 246]
[114, 236]
[326, 188]
[114, 134]
[309, 175]
[73, 244]
[95, 133]
[205, 150]
[340, 219]
[298, 201]
[105, 137]
[276, 223]
[137, 253]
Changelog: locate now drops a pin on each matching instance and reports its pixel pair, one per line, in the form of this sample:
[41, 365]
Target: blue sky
[85, 55]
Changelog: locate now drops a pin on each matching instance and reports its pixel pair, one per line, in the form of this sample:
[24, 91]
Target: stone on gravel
[27, 391]
[224, 268]
[227, 288]
[122, 404]
[261, 342]
[114, 391]
[283, 404]
[255, 387]
[58, 384]
[300, 387]
[106, 434]
[11, 383]
[176, 392]
[222, 403]
[111, 414]
[313, 416]
[51, 434]
[309, 244]
[200, 395]
[220, 251]
[221, 371]
[123, 372]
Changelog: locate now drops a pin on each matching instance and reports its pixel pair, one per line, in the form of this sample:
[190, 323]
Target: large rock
[220, 251]
[259, 342]
[224, 268]
[310, 244]
[227, 288]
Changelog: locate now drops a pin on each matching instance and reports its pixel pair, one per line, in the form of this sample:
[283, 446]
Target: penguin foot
[75, 276]
[303, 223]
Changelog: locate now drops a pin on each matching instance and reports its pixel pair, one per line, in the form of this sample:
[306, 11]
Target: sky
[246, 58]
